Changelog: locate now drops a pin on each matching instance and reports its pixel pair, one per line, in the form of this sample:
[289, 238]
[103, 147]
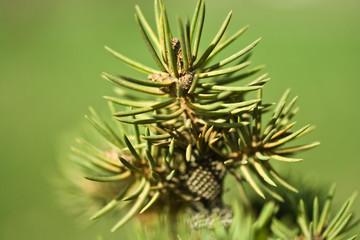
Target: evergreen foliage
[176, 133]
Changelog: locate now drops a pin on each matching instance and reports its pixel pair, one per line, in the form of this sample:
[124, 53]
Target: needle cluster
[180, 130]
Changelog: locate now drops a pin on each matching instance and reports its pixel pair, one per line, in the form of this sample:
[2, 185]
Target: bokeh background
[51, 57]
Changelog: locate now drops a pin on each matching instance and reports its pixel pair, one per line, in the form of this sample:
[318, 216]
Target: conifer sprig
[196, 127]
[182, 128]
[320, 224]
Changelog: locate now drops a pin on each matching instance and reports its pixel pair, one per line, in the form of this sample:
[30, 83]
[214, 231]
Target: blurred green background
[51, 57]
